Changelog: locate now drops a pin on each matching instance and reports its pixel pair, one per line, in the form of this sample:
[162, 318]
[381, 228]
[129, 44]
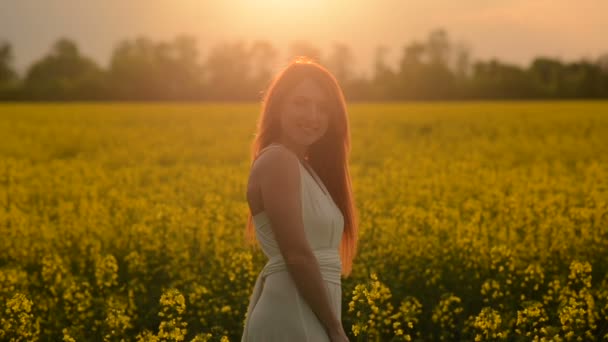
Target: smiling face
[305, 113]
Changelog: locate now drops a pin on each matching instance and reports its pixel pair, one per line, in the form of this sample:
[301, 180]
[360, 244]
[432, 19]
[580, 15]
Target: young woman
[301, 208]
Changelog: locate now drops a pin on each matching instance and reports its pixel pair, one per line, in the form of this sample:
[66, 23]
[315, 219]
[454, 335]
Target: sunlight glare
[280, 5]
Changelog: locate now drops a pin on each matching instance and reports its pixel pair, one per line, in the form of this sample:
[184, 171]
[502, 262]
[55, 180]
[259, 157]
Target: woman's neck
[298, 150]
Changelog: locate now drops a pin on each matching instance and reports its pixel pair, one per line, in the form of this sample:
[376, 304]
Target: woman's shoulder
[275, 158]
[276, 169]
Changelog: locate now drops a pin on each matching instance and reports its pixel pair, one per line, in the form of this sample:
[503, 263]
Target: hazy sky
[514, 31]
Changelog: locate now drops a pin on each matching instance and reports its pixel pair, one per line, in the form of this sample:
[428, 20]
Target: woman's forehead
[309, 89]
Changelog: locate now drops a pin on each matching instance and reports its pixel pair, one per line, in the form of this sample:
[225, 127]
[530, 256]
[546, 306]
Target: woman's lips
[309, 129]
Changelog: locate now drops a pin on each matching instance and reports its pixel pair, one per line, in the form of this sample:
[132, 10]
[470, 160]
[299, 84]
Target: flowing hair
[328, 156]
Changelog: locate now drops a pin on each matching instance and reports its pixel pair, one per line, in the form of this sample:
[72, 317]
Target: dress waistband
[329, 264]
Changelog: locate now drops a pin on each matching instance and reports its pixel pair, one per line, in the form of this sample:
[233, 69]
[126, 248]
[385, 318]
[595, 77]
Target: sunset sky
[514, 31]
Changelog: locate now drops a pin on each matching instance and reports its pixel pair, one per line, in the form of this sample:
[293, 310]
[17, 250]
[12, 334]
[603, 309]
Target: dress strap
[311, 172]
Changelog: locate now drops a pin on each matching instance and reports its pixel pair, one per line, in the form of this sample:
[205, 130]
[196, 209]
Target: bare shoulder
[272, 173]
[274, 162]
[279, 190]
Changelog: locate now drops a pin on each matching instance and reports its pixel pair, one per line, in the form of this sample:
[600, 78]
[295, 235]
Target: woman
[301, 207]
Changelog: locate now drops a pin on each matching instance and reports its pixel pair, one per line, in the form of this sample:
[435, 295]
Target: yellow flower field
[479, 221]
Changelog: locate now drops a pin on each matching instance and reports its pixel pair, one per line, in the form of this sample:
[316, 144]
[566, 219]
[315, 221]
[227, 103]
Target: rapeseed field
[479, 221]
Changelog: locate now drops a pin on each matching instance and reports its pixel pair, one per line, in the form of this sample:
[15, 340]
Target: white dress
[277, 311]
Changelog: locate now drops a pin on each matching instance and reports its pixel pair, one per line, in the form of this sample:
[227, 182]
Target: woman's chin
[308, 140]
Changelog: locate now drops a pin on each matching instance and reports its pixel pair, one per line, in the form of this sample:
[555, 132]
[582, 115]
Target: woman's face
[305, 113]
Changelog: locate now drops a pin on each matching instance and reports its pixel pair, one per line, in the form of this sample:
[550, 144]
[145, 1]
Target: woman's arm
[281, 188]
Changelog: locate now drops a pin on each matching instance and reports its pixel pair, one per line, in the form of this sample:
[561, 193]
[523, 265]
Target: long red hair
[328, 156]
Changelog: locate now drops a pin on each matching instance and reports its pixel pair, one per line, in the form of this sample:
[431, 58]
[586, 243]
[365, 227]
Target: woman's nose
[315, 111]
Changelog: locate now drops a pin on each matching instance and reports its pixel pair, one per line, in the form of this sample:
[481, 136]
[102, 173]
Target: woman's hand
[338, 335]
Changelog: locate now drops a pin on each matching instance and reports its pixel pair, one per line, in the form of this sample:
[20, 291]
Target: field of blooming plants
[479, 221]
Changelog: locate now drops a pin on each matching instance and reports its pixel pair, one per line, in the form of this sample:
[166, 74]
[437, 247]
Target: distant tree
[383, 80]
[423, 74]
[142, 69]
[380, 65]
[438, 47]
[134, 70]
[424, 69]
[184, 69]
[582, 79]
[411, 71]
[358, 88]
[439, 79]
[434, 68]
[413, 54]
[263, 56]
[461, 60]
[602, 62]
[64, 74]
[7, 74]
[340, 62]
[545, 75]
[9, 86]
[493, 79]
[229, 73]
[462, 69]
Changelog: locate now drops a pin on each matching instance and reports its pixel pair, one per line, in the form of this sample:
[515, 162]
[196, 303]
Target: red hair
[328, 156]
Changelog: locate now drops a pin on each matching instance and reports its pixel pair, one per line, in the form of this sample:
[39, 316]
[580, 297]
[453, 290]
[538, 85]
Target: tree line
[435, 68]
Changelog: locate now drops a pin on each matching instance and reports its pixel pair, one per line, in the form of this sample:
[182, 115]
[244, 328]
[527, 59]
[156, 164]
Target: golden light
[280, 5]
